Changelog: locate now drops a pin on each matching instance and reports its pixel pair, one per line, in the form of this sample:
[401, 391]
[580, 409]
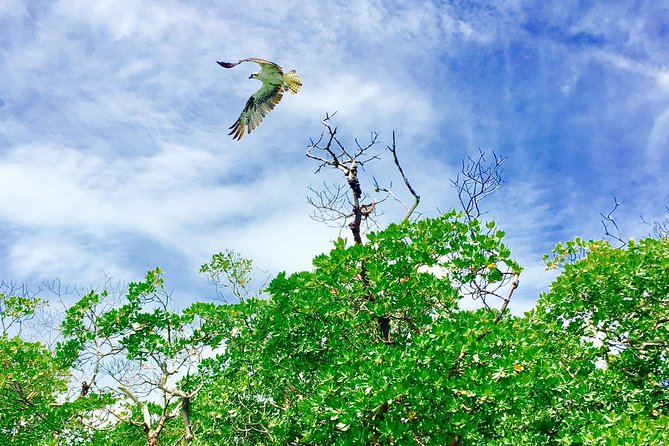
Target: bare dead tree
[352, 207]
[479, 178]
[476, 181]
[349, 205]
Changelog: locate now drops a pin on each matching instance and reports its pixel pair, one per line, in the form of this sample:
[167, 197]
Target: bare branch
[476, 181]
[145, 409]
[611, 222]
[512, 288]
[410, 210]
[330, 204]
[350, 205]
[660, 227]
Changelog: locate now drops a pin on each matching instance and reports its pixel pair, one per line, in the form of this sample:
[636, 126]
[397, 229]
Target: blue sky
[114, 154]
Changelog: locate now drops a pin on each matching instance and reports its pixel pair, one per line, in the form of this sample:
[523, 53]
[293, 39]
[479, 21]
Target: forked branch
[333, 202]
[476, 181]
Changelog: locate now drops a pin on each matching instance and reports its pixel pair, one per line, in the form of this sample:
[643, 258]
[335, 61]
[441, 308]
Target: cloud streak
[113, 120]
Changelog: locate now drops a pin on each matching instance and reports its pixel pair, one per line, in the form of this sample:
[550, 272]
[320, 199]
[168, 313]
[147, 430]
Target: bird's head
[254, 75]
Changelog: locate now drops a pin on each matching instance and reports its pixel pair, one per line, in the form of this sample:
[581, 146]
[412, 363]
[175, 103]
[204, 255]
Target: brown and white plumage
[274, 83]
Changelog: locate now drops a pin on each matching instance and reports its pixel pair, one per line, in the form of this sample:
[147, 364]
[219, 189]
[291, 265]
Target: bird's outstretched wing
[257, 107]
[275, 82]
[262, 62]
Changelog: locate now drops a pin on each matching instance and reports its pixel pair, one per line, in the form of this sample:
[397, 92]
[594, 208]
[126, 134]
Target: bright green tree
[600, 342]
[145, 354]
[311, 364]
[36, 407]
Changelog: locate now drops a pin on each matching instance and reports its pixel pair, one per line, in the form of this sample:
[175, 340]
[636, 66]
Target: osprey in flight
[274, 83]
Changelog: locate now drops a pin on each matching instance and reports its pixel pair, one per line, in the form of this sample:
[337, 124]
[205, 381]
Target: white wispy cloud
[114, 154]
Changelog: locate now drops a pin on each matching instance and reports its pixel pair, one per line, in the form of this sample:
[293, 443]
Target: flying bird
[274, 83]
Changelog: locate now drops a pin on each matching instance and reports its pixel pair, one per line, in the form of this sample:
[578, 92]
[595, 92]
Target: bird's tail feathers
[293, 81]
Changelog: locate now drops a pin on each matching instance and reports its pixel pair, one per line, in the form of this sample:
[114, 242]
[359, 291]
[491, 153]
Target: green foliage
[34, 409]
[144, 352]
[14, 310]
[312, 363]
[228, 270]
[603, 328]
[29, 383]
[310, 366]
[619, 299]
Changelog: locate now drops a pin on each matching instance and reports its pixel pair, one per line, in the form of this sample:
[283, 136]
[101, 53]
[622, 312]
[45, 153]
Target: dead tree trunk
[336, 205]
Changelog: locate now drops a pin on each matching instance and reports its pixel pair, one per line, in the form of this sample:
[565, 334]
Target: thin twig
[393, 150]
[608, 217]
